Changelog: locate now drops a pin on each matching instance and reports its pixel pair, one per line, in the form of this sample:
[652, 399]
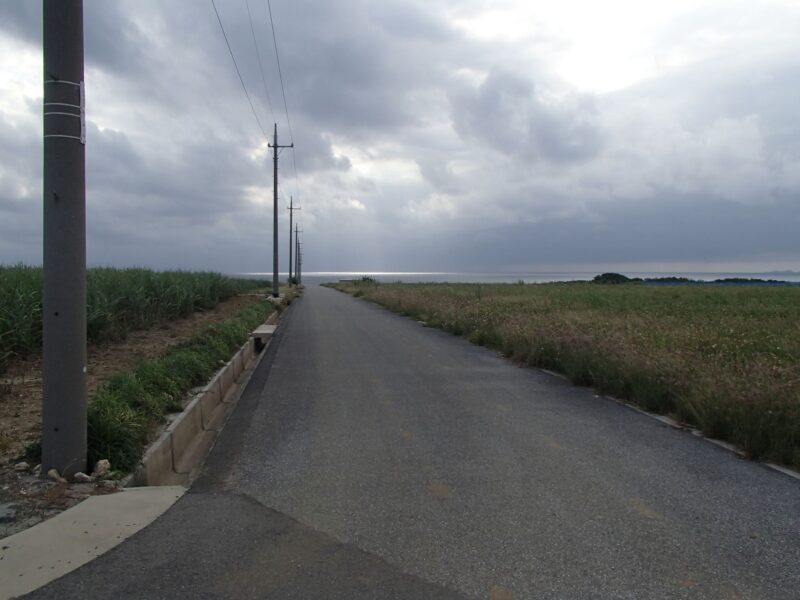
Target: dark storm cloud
[681, 229]
[317, 154]
[360, 66]
[350, 83]
[112, 41]
[511, 114]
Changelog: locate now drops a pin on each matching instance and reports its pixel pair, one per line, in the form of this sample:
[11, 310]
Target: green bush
[612, 278]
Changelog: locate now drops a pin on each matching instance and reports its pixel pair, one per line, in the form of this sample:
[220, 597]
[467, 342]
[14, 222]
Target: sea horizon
[525, 276]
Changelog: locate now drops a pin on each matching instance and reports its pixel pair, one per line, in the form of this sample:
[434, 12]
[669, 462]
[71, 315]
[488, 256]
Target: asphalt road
[371, 457]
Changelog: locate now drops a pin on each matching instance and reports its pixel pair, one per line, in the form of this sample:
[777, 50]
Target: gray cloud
[512, 115]
[418, 145]
[112, 40]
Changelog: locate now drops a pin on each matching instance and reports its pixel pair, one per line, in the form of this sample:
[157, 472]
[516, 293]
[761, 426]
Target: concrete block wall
[171, 458]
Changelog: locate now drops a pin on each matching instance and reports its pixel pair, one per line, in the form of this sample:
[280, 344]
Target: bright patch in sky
[604, 46]
[19, 89]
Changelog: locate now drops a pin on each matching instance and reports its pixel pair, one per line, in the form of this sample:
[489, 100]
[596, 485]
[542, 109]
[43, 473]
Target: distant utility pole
[64, 198]
[292, 208]
[275, 147]
[297, 253]
[299, 262]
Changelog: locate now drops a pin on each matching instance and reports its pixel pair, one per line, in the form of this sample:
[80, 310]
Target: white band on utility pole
[81, 111]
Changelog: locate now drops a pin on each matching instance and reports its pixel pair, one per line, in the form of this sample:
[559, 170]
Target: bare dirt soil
[26, 498]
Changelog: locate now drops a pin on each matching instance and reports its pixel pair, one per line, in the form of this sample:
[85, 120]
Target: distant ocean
[444, 277]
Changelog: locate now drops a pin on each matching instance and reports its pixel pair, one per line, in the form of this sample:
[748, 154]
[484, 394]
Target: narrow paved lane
[374, 458]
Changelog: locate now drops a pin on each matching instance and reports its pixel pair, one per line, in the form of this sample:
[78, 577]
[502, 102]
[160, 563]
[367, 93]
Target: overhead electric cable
[258, 56]
[296, 178]
[280, 74]
[283, 93]
[236, 66]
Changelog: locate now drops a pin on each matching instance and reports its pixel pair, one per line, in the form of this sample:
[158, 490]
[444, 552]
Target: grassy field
[118, 301]
[723, 358]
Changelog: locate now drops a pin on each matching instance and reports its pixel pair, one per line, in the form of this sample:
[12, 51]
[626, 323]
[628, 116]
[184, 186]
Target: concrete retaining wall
[183, 445]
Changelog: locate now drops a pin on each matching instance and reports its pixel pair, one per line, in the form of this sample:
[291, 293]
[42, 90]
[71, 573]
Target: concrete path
[36, 556]
[373, 458]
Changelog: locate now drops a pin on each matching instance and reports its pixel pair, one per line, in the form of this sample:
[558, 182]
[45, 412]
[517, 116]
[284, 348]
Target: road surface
[371, 457]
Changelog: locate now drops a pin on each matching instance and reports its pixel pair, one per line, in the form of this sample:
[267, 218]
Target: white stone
[22, 466]
[101, 468]
[53, 474]
[81, 477]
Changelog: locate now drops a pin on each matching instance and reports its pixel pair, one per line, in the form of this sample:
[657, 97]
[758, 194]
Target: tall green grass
[118, 301]
[725, 359]
[126, 410]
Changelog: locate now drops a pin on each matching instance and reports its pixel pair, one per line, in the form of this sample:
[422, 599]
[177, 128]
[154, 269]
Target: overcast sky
[479, 135]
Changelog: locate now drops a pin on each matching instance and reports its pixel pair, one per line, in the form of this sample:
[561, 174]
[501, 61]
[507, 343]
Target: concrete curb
[670, 422]
[174, 457]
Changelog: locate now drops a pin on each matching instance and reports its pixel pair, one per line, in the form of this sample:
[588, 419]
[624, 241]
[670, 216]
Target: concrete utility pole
[64, 197]
[292, 208]
[299, 263]
[275, 147]
[297, 253]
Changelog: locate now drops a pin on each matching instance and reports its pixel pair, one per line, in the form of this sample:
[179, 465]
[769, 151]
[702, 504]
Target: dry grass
[723, 358]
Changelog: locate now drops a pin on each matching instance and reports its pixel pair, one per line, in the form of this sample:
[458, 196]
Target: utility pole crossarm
[275, 147]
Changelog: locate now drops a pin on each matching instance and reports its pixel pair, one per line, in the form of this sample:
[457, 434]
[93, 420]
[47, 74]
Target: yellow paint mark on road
[439, 490]
[644, 510]
[407, 435]
[501, 593]
[688, 583]
[552, 443]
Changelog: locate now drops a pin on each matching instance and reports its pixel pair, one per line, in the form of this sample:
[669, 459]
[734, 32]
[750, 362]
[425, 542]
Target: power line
[236, 66]
[258, 56]
[283, 93]
[280, 74]
[296, 178]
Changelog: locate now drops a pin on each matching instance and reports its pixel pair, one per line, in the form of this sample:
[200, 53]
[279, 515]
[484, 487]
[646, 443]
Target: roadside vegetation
[725, 359]
[118, 301]
[129, 408]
